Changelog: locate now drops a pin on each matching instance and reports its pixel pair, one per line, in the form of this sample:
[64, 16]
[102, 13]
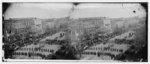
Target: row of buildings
[39, 26]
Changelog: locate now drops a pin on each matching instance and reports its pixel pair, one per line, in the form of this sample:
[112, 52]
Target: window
[25, 53]
[48, 50]
[120, 50]
[114, 49]
[45, 50]
[99, 48]
[117, 50]
[94, 53]
[52, 51]
[30, 49]
[108, 49]
[41, 50]
[85, 53]
[90, 48]
[16, 53]
[91, 53]
[111, 49]
[96, 48]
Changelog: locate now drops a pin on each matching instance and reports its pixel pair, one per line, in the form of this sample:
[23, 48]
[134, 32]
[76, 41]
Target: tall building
[37, 27]
[107, 24]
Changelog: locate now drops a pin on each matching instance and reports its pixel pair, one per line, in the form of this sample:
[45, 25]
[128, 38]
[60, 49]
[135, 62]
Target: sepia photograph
[100, 31]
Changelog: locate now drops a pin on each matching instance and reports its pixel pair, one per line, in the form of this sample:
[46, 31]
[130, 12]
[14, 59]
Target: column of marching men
[101, 49]
[33, 52]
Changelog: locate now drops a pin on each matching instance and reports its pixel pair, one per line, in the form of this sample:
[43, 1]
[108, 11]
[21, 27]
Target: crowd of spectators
[15, 41]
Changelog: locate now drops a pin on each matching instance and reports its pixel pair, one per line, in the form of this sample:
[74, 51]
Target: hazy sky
[39, 10]
[109, 10]
[57, 10]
